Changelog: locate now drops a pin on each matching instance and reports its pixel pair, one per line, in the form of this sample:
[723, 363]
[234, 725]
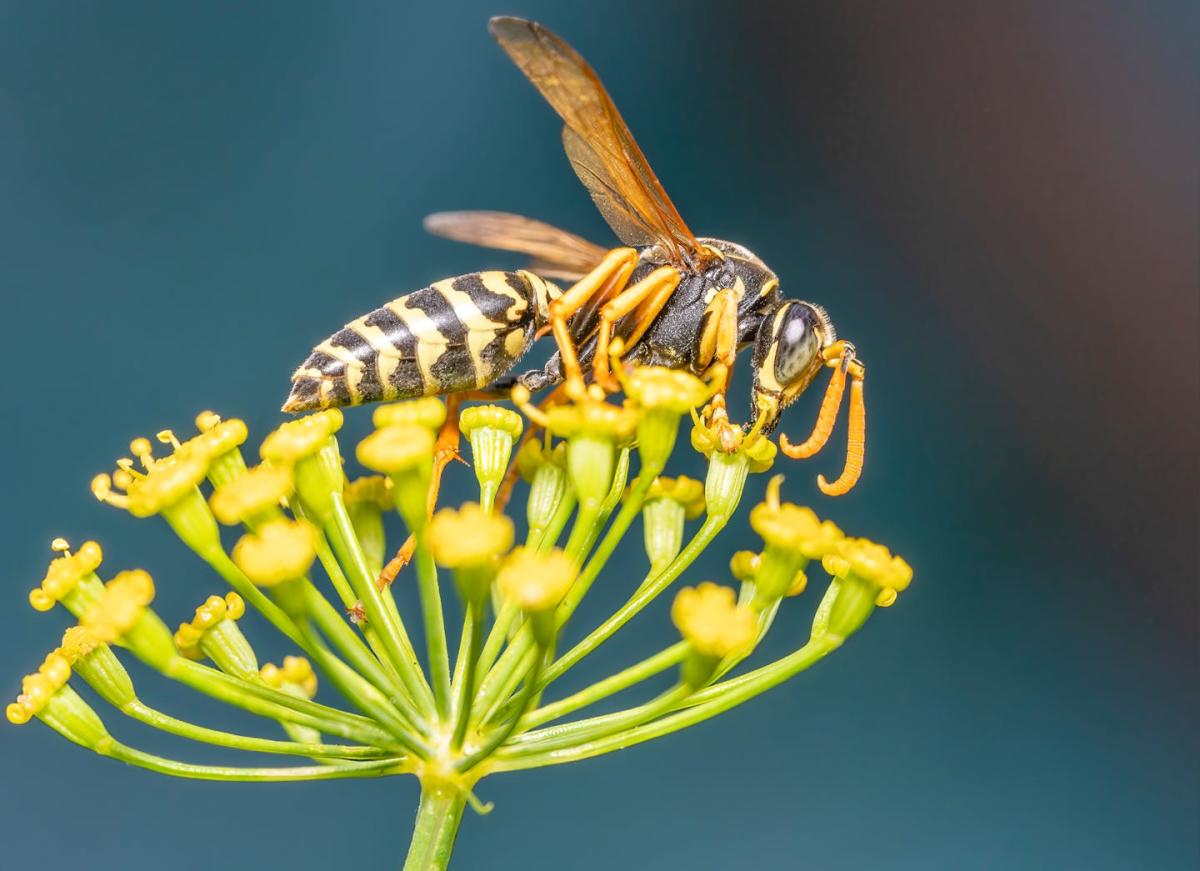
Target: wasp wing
[556, 253]
[598, 143]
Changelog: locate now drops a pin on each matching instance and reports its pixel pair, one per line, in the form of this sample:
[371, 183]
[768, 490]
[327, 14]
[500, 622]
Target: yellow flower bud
[658, 387]
[257, 492]
[373, 490]
[490, 416]
[120, 607]
[280, 551]
[64, 575]
[300, 438]
[688, 492]
[869, 562]
[296, 675]
[536, 581]
[38, 689]
[794, 528]
[428, 412]
[397, 449]
[469, 536]
[592, 417]
[710, 619]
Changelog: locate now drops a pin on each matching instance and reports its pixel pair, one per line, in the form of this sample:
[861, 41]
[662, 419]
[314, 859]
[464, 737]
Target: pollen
[710, 619]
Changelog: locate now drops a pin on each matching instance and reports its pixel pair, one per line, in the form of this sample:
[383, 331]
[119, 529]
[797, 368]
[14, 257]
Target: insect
[665, 298]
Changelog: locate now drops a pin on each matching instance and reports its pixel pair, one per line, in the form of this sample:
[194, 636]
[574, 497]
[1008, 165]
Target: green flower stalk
[309, 559]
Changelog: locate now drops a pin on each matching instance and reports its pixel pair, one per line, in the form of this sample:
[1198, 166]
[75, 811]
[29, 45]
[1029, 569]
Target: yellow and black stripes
[459, 334]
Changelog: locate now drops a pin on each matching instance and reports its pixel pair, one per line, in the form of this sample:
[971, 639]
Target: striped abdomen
[459, 334]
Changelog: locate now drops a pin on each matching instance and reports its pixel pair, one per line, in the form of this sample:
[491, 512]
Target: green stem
[722, 698]
[502, 734]
[647, 668]
[386, 621]
[464, 686]
[440, 813]
[592, 729]
[253, 775]
[435, 627]
[184, 729]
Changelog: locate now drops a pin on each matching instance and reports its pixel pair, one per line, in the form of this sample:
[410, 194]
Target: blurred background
[996, 201]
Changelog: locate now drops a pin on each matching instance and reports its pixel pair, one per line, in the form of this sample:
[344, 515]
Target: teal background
[996, 201]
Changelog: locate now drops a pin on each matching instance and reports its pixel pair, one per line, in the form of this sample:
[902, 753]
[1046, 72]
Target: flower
[710, 619]
[469, 536]
[215, 609]
[165, 483]
[249, 496]
[280, 551]
[39, 688]
[396, 449]
[296, 676]
[491, 430]
[870, 562]
[373, 490]
[66, 573]
[495, 417]
[297, 439]
[657, 387]
[592, 417]
[794, 528]
[687, 492]
[120, 607]
[428, 412]
[536, 581]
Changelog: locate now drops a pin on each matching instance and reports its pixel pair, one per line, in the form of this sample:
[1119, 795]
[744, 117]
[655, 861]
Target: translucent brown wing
[601, 149]
[556, 253]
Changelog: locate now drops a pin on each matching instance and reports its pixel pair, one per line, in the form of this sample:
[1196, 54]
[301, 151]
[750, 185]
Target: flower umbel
[451, 721]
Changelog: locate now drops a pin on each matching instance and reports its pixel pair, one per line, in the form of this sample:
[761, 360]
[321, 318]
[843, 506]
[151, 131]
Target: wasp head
[787, 356]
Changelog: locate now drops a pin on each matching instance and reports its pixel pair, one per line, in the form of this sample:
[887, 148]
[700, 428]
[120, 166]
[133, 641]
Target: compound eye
[798, 345]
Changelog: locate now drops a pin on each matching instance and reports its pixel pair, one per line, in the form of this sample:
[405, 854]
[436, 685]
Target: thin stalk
[252, 775]
[435, 627]
[594, 728]
[275, 704]
[747, 687]
[438, 818]
[385, 620]
[464, 684]
[502, 734]
[184, 729]
[647, 668]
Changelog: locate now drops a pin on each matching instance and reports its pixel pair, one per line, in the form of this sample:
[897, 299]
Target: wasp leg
[644, 301]
[716, 351]
[608, 279]
[445, 452]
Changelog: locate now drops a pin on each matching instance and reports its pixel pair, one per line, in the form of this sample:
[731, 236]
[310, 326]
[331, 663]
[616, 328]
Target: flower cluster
[313, 545]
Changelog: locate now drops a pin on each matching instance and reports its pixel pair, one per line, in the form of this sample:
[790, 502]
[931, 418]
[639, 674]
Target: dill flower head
[795, 528]
[710, 619]
[164, 483]
[258, 491]
[592, 417]
[280, 551]
[490, 417]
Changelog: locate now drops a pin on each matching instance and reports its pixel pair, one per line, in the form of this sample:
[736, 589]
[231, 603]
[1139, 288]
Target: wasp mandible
[667, 298]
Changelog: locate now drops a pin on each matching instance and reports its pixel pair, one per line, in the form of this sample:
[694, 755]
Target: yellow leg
[647, 298]
[445, 452]
[607, 279]
[717, 352]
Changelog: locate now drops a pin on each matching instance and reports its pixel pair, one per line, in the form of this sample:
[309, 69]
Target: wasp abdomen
[459, 334]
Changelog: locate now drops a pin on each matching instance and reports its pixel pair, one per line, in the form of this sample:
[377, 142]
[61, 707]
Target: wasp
[665, 298]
